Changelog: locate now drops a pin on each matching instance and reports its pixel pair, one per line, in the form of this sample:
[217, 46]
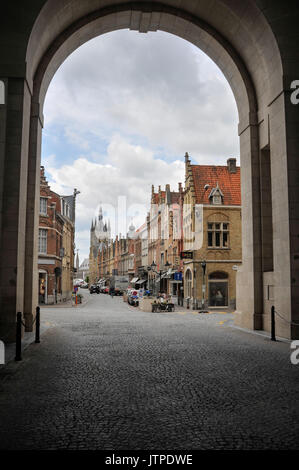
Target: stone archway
[241, 38]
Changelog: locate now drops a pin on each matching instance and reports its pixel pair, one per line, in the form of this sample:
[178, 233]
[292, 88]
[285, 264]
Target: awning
[140, 281]
[134, 280]
[165, 276]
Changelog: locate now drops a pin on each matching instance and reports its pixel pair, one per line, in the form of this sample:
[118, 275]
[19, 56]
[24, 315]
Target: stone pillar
[292, 135]
[249, 277]
[14, 140]
[284, 144]
[32, 219]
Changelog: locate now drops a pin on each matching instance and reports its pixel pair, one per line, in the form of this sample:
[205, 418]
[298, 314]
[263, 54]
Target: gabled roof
[229, 183]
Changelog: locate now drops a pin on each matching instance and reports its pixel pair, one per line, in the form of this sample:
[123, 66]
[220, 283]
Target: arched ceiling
[221, 28]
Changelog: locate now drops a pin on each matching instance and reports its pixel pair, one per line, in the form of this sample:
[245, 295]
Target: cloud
[121, 112]
[130, 174]
[156, 86]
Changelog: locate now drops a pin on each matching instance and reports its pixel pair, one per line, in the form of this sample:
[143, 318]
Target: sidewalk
[68, 304]
[28, 338]
[180, 308]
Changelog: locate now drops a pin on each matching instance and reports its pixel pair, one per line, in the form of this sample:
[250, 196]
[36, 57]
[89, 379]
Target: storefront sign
[186, 254]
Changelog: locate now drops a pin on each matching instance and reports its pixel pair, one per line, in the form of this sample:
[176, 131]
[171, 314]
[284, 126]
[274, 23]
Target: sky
[121, 112]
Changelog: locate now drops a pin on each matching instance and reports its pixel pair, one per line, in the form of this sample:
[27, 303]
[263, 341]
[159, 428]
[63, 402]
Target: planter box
[145, 304]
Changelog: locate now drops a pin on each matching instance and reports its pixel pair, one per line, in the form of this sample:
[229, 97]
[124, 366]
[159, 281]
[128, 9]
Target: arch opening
[176, 22]
[246, 44]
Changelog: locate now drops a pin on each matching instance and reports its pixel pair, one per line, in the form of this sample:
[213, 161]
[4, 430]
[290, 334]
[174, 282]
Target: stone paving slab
[109, 377]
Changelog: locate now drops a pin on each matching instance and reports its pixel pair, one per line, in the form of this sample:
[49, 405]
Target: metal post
[37, 325]
[19, 337]
[273, 338]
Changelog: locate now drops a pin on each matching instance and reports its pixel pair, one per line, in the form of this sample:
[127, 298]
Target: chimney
[186, 157]
[167, 187]
[180, 187]
[232, 165]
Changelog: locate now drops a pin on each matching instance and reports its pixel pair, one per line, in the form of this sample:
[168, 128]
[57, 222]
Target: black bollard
[273, 338]
[19, 337]
[37, 325]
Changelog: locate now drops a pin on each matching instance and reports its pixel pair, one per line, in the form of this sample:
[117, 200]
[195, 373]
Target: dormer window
[217, 199]
[216, 196]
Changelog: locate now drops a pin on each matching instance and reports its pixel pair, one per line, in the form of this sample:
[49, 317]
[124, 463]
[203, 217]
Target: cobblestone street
[108, 376]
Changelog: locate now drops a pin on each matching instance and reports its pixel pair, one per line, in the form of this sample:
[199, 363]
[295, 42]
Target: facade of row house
[117, 257]
[190, 244]
[212, 234]
[55, 244]
[165, 240]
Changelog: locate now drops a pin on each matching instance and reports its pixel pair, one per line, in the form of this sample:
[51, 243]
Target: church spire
[100, 214]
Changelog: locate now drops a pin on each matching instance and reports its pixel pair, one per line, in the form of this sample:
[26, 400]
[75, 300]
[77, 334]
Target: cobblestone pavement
[108, 376]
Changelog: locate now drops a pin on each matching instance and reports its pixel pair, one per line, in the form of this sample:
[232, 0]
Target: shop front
[218, 289]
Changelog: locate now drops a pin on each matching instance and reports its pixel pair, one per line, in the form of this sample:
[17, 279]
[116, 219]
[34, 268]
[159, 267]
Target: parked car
[94, 289]
[84, 285]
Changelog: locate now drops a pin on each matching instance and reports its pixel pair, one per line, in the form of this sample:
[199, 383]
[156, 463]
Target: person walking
[111, 292]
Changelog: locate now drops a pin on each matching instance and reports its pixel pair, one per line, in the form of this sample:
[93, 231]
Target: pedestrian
[111, 291]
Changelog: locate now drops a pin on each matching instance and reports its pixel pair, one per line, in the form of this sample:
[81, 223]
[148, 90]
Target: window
[65, 209]
[42, 241]
[218, 235]
[43, 205]
[188, 283]
[217, 199]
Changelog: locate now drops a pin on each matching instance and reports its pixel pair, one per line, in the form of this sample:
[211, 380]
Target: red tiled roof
[229, 183]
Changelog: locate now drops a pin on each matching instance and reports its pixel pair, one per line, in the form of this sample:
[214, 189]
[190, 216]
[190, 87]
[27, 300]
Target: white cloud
[131, 172]
[155, 86]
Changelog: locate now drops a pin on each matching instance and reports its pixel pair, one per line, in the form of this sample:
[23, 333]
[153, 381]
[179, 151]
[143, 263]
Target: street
[108, 376]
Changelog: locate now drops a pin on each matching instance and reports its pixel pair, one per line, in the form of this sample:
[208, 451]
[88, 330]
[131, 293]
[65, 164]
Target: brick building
[166, 239]
[55, 244]
[212, 233]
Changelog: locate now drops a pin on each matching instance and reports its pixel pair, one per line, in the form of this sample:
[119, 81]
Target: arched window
[188, 283]
[218, 289]
[2, 92]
